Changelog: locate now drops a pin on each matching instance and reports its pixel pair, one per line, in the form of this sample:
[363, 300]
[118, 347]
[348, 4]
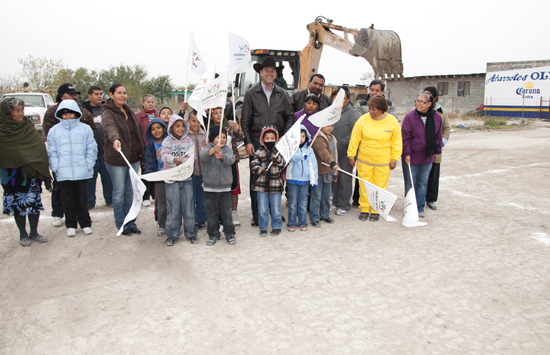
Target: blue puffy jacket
[72, 150]
[151, 162]
[299, 170]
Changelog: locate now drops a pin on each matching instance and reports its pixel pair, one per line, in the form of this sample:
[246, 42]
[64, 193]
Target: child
[156, 132]
[72, 152]
[269, 184]
[179, 194]
[325, 152]
[300, 172]
[218, 158]
[164, 114]
[235, 132]
[197, 135]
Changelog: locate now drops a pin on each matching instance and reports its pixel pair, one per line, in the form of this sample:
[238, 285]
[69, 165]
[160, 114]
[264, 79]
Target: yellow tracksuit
[376, 142]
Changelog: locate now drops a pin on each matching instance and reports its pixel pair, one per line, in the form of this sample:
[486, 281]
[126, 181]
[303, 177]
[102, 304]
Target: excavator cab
[288, 71]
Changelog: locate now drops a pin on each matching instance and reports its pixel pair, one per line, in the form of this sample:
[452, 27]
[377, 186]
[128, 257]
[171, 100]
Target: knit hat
[214, 132]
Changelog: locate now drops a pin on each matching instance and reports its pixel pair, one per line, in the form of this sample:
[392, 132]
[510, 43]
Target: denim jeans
[420, 175]
[179, 203]
[218, 204]
[123, 194]
[265, 201]
[160, 203]
[100, 168]
[297, 204]
[198, 199]
[319, 206]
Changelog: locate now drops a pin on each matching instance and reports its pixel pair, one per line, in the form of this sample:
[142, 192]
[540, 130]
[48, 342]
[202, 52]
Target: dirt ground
[474, 281]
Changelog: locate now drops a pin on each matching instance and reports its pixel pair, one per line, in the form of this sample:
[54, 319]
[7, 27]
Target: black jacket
[257, 113]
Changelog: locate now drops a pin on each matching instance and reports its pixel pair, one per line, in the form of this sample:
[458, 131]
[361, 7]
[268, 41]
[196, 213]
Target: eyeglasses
[421, 102]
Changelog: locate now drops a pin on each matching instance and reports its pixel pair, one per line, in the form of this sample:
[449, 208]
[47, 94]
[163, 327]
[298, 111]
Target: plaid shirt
[271, 182]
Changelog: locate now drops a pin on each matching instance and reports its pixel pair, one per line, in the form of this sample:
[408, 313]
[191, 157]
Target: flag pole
[208, 128]
[313, 140]
[350, 174]
[186, 85]
[220, 134]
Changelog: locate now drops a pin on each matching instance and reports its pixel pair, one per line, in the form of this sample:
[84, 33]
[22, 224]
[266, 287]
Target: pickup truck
[36, 105]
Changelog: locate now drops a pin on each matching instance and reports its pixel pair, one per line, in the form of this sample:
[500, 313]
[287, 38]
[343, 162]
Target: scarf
[429, 133]
[21, 146]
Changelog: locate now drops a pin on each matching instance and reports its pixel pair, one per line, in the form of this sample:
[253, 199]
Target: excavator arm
[381, 48]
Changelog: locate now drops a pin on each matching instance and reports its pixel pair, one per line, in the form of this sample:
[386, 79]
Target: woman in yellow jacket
[376, 141]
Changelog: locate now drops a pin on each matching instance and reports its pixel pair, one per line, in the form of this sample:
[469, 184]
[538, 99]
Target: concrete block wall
[527, 64]
[404, 92]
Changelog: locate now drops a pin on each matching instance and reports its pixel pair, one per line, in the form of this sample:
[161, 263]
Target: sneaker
[254, 222]
[57, 222]
[193, 240]
[235, 218]
[71, 232]
[161, 232]
[202, 225]
[25, 242]
[263, 233]
[342, 212]
[328, 220]
[432, 205]
[211, 241]
[363, 216]
[275, 232]
[231, 240]
[421, 214]
[333, 208]
[87, 230]
[135, 230]
[374, 217]
[146, 203]
[169, 242]
[38, 238]
[127, 232]
[303, 228]
[316, 224]
[291, 228]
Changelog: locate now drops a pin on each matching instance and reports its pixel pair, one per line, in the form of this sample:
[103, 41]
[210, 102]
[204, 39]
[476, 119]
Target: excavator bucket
[382, 49]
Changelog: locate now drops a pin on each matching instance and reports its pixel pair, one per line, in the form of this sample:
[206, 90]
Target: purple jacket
[312, 130]
[414, 138]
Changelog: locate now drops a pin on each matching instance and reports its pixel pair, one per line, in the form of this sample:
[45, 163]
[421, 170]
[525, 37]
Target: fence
[539, 110]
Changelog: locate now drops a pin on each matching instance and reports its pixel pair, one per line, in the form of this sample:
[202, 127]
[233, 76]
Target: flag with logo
[290, 142]
[239, 54]
[195, 61]
[179, 173]
[138, 188]
[214, 94]
[194, 99]
[331, 114]
[380, 200]
[410, 212]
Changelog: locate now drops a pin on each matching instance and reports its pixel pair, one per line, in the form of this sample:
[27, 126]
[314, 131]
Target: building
[459, 93]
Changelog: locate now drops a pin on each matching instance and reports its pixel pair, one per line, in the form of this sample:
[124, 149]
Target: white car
[36, 105]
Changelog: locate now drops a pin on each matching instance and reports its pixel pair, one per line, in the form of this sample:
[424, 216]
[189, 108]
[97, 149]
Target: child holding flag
[179, 194]
[269, 183]
[197, 135]
[218, 158]
[325, 148]
[300, 172]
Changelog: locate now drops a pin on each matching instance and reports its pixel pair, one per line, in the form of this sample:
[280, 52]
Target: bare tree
[40, 72]
[8, 82]
[366, 78]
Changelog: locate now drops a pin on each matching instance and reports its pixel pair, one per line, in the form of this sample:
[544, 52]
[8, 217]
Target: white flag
[138, 187]
[380, 200]
[410, 212]
[195, 62]
[179, 173]
[331, 114]
[207, 77]
[239, 54]
[214, 93]
[290, 142]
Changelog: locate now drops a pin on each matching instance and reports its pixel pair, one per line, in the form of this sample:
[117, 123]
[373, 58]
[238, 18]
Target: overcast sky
[450, 37]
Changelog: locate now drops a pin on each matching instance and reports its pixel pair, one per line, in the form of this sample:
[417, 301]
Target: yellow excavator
[381, 48]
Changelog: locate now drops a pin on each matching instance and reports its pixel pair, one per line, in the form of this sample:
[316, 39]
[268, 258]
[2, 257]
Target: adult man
[95, 107]
[315, 86]
[64, 92]
[264, 104]
[376, 87]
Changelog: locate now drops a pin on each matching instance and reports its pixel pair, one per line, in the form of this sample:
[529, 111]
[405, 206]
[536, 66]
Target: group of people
[86, 140]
